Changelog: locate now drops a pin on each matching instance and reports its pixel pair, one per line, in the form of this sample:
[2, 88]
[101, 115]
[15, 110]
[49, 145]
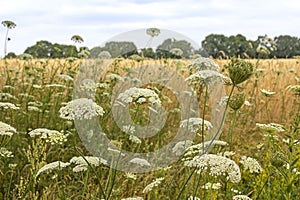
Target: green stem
[232, 125]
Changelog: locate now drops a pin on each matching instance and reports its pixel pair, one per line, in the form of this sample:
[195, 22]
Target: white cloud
[98, 20]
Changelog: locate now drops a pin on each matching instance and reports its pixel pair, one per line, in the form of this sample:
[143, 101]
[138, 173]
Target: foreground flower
[267, 93]
[155, 183]
[213, 186]
[241, 197]
[207, 77]
[270, 128]
[239, 70]
[6, 129]
[203, 63]
[193, 198]
[81, 109]
[194, 124]
[5, 153]
[251, 164]
[51, 166]
[50, 136]
[217, 166]
[139, 95]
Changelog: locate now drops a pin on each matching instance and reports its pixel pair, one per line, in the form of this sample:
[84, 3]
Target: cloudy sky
[99, 20]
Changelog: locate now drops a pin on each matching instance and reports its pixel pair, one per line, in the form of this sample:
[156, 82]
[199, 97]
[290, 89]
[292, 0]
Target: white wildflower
[203, 63]
[88, 160]
[50, 136]
[154, 183]
[193, 124]
[294, 88]
[241, 197]
[247, 103]
[217, 166]
[37, 86]
[51, 166]
[135, 139]
[130, 175]
[271, 127]
[55, 85]
[133, 198]
[82, 108]
[267, 93]
[213, 186]
[6, 96]
[193, 198]
[115, 77]
[65, 77]
[33, 108]
[140, 161]
[129, 129]
[251, 164]
[6, 105]
[134, 94]
[88, 85]
[207, 77]
[198, 148]
[227, 154]
[181, 147]
[80, 168]
[5, 153]
[6, 129]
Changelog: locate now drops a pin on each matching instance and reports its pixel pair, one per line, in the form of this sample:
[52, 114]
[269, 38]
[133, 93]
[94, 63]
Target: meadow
[256, 156]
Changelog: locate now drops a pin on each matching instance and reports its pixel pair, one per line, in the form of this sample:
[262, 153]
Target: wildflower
[176, 51]
[133, 198]
[5, 153]
[239, 70]
[193, 198]
[135, 139]
[267, 93]
[50, 136]
[130, 175]
[217, 166]
[247, 103]
[88, 85]
[155, 183]
[207, 77]
[251, 164]
[153, 32]
[80, 168]
[115, 77]
[203, 63]
[198, 148]
[193, 124]
[37, 86]
[33, 108]
[227, 154]
[104, 55]
[181, 146]
[25, 56]
[271, 127]
[134, 94]
[241, 197]
[6, 129]
[237, 101]
[6, 96]
[129, 129]
[136, 58]
[140, 161]
[65, 77]
[6, 105]
[77, 39]
[51, 166]
[86, 160]
[82, 108]
[213, 186]
[55, 85]
[294, 88]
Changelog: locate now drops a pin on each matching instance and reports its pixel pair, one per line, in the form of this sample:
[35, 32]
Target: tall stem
[5, 43]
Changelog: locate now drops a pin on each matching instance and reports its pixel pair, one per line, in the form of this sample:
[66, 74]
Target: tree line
[215, 45]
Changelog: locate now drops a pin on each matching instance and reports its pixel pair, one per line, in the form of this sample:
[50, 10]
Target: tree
[287, 46]
[170, 44]
[10, 55]
[9, 25]
[216, 45]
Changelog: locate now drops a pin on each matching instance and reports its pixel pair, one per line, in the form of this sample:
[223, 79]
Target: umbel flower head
[77, 39]
[9, 24]
[203, 63]
[239, 70]
[82, 108]
[236, 101]
[153, 32]
[271, 127]
[6, 129]
[50, 136]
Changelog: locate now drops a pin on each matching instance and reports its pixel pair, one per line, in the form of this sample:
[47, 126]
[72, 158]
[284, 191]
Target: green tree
[9, 25]
[286, 46]
[216, 45]
[169, 44]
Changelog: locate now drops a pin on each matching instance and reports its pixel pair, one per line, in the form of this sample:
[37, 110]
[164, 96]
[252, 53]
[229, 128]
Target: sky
[98, 21]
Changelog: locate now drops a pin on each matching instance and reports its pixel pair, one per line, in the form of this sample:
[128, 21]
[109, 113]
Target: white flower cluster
[207, 77]
[294, 88]
[7, 105]
[217, 166]
[193, 198]
[181, 147]
[155, 183]
[203, 63]
[55, 85]
[6, 129]
[130, 175]
[5, 153]
[212, 186]
[133, 198]
[135, 139]
[267, 93]
[271, 127]
[7, 96]
[193, 124]
[50, 136]
[82, 108]
[115, 77]
[202, 147]
[140, 161]
[65, 77]
[88, 85]
[251, 164]
[139, 95]
[241, 197]
[51, 166]
[83, 163]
